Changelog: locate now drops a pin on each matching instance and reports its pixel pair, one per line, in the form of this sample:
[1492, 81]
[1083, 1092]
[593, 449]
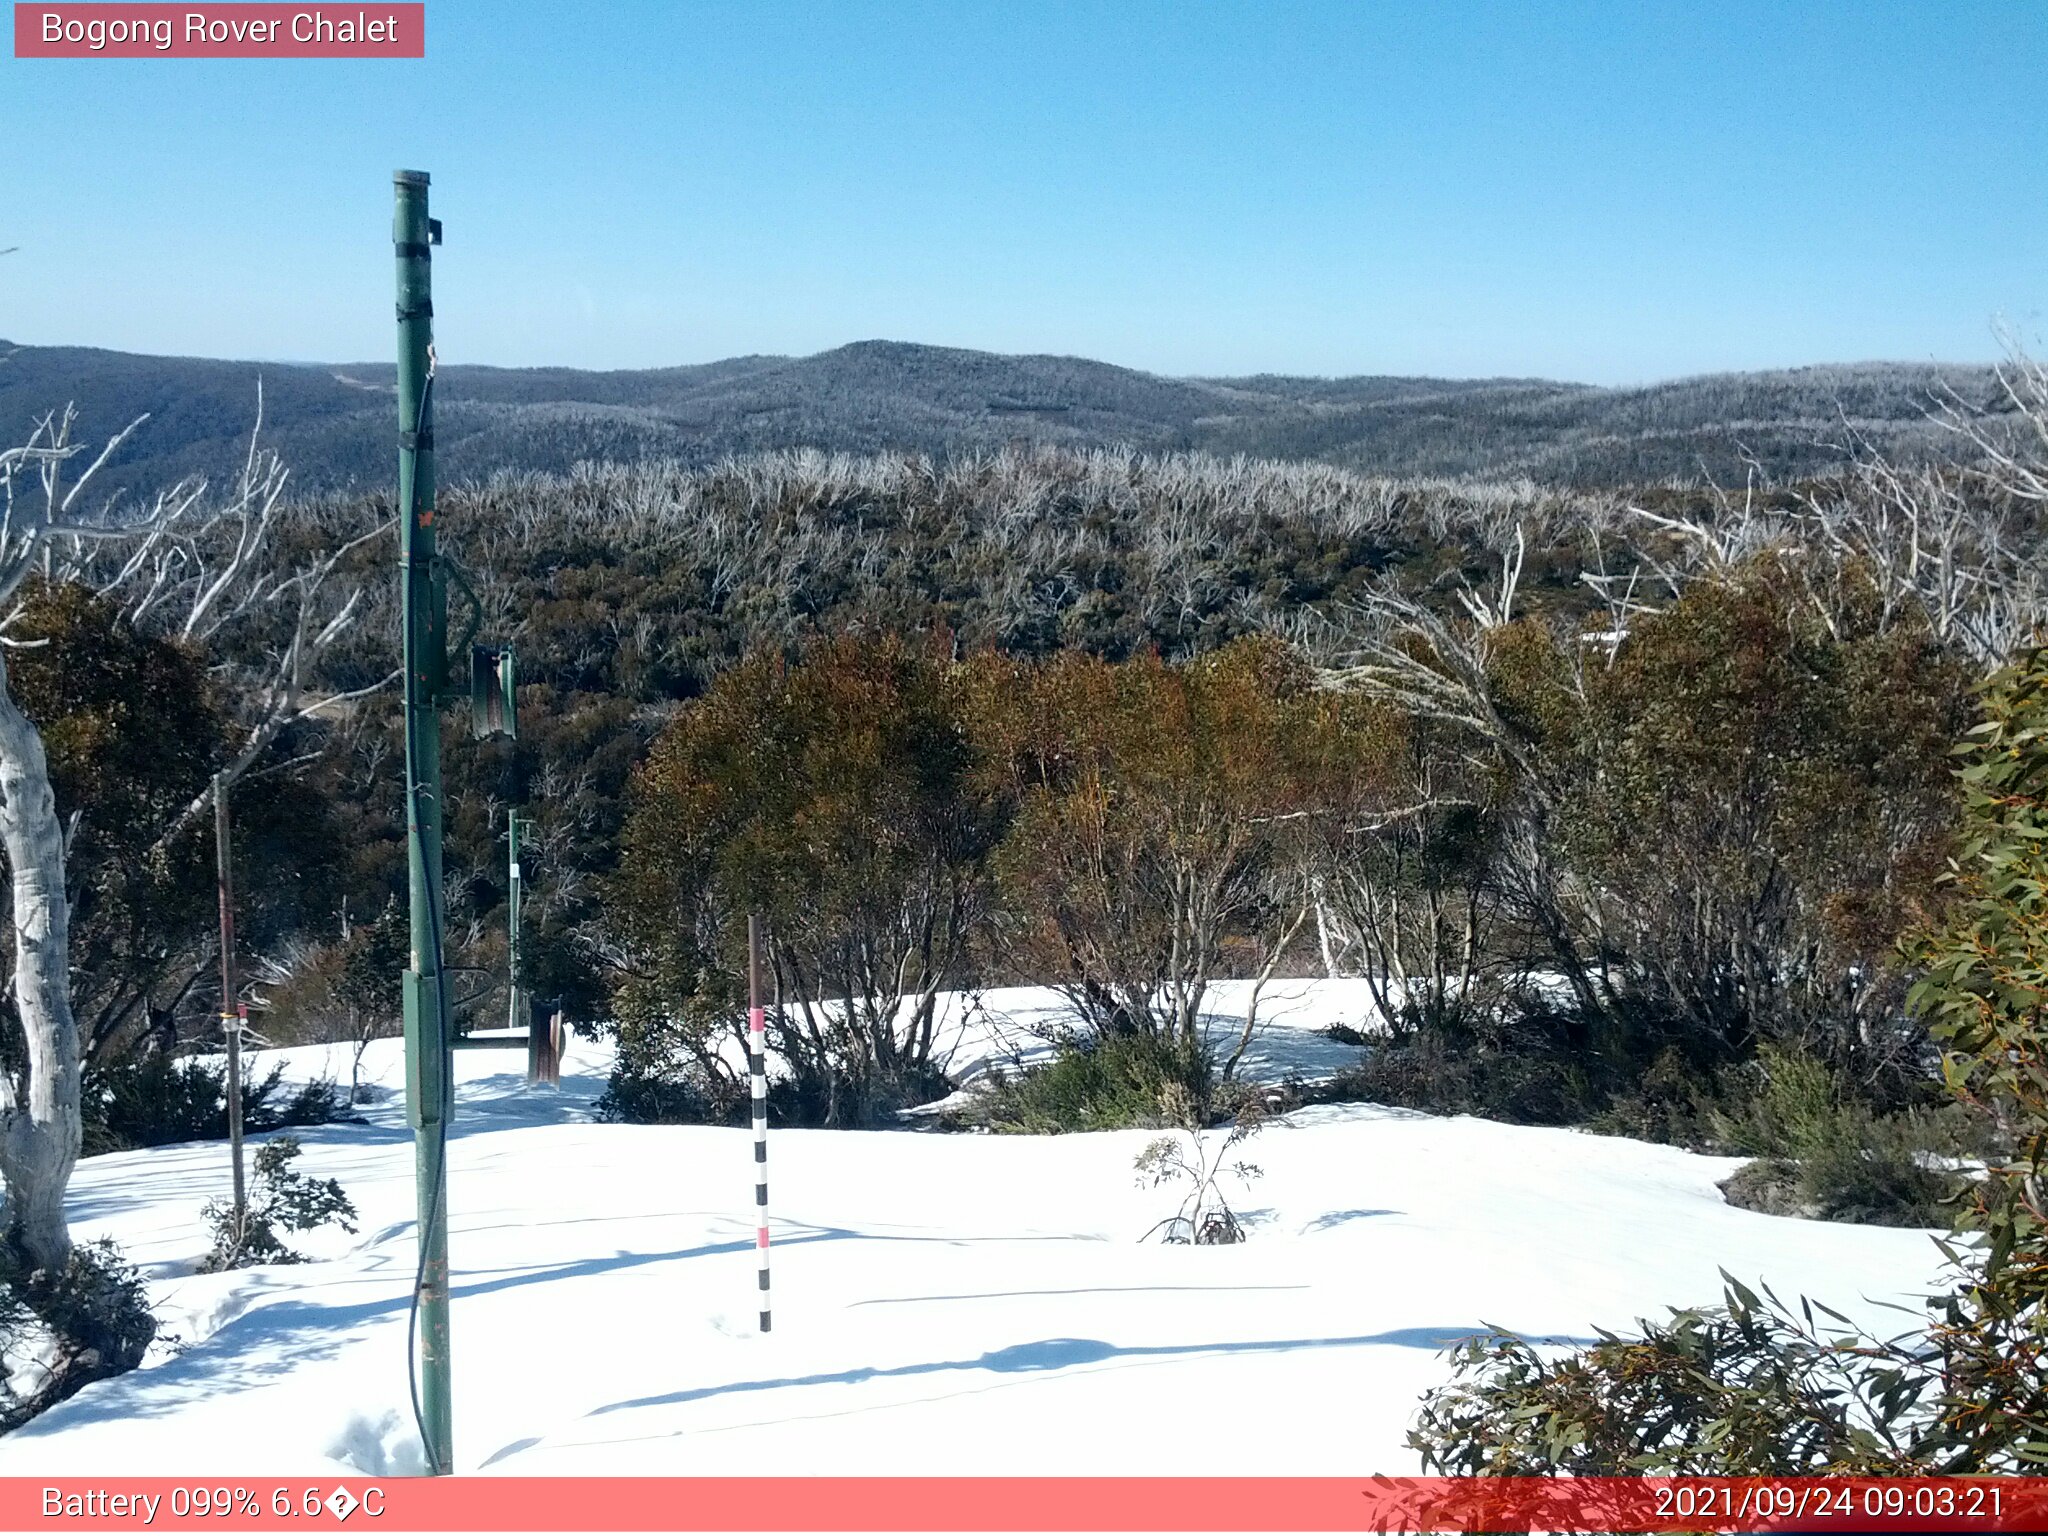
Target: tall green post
[428, 1048]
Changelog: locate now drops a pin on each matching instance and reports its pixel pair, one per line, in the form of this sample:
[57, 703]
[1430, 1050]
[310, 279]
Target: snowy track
[944, 1304]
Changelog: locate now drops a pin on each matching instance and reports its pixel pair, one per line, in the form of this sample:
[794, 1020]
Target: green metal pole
[428, 1053]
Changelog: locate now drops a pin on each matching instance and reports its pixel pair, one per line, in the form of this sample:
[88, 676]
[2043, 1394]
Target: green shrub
[61, 1332]
[280, 1200]
[660, 1077]
[670, 1071]
[872, 1099]
[1743, 1389]
[1792, 1107]
[156, 1100]
[1822, 1151]
[1747, 1388]
[650, 1088]
[1846, 1161]
[1516, 1069]
[1114, 1082]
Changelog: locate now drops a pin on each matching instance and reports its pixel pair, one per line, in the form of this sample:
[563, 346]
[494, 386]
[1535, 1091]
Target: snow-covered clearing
[944, 1304]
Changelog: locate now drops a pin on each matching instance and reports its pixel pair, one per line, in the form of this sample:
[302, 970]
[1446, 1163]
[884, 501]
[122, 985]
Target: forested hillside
[333, 424]
[1125, 726]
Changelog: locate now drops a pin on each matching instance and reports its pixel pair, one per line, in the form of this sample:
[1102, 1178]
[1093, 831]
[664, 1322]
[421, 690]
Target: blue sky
[1609, 192]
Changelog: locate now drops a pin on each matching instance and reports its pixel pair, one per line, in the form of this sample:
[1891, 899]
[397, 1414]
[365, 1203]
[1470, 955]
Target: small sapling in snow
[1204, 1217]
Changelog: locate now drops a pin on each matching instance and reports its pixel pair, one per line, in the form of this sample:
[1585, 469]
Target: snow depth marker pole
[517, 1011]
[757, 1062]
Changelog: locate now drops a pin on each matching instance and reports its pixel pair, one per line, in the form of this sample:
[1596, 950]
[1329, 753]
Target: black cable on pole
[416, 791]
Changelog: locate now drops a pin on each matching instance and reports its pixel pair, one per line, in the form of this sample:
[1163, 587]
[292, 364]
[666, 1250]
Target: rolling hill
[334, 424]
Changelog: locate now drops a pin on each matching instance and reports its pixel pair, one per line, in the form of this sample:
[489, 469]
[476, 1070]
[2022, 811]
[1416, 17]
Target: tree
[132, 724]
[1984, 992]
[1162, 822]
[1797, 771]
[1756, 1388]
[1406, 874]
[39, 1118]
[1789, 757]
[181, 565]
[837, 798]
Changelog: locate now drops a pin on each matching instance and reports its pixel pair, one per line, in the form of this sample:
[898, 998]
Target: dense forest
[1116, 722]
[332, 424]
[1803, 651]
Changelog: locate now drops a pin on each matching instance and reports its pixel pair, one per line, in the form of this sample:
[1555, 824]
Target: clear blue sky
[1610, 192]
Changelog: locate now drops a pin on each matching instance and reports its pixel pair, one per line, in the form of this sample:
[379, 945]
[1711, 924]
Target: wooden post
[231, 1014]
[544, 1032]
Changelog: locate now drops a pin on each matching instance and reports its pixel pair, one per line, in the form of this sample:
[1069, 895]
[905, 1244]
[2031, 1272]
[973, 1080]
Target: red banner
[1028, 1504]
[372, 30]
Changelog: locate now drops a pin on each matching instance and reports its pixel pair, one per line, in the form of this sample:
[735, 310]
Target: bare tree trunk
[39, 1133]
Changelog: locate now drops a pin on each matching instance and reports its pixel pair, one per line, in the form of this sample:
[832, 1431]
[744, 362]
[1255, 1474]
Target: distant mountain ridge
[334, 424]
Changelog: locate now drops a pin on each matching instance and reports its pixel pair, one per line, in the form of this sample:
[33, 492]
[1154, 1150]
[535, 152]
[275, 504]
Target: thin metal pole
[757, 1062]
[428, 1048]
[231, 1015]
[515, 1012]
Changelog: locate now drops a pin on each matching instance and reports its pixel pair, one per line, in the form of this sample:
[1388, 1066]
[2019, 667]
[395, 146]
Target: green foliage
[1796, 1109]
[1097, 1083]
[372, 962]
[1750, 1389]
[1842, 1160]
[655, 1081]
[62, 1332]
[131, 727]
[1161, 820]
[1744, 1389]
[1506, 1066]
[155, 1100]
[134, 725]
[1796, 770]
[1984, 992]
[281, 1200]
[838, 800]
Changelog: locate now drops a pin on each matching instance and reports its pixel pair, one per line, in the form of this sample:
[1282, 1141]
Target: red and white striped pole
[757, 1062]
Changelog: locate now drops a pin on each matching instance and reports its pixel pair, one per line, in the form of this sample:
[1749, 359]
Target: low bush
[280, 1200]
[1823, 1149]
[657, 1079]
[654, 1086]
[155, 1100]
[60, 1332]
[1746, 1388]
[1106, 1083]
[1824, 1152]
[872, 1099]
[1514, 1068]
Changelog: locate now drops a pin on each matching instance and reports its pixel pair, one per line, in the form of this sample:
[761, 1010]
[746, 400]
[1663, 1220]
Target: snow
[944, 1304]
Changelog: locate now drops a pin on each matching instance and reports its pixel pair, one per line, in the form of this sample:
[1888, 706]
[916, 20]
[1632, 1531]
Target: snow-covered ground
[944, 1304]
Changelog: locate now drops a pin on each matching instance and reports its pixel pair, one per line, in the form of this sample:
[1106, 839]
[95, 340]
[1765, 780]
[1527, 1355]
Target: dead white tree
[39, 1114]
[195, 577]
[181, 565]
